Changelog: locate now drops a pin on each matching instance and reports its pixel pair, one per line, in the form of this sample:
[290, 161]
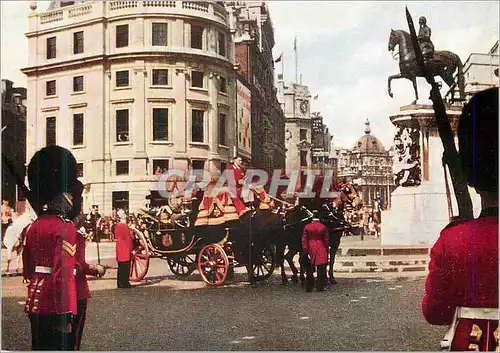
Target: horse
[331, 213]
[443, 63]
[14, 236]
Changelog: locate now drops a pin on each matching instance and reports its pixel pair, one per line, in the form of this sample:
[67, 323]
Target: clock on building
[303, 107]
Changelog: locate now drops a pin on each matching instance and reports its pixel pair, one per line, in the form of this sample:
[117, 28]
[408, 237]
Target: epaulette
[456, 221]
[65, 220]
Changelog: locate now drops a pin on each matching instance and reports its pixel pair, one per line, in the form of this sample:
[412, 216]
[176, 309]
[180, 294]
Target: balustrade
[53, 16]
[118, 5]
[195, 5]
[80, 11]
[158, 3]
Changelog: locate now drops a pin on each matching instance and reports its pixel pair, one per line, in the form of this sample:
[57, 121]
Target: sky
[342, 52]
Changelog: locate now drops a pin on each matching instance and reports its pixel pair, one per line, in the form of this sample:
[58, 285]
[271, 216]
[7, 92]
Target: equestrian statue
[439, 63]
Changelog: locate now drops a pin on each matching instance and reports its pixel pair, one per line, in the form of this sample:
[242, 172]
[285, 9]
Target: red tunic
[82, 269]
[315, 242]
[463, 272]
[238, 173]
[50, 242]
[123, 242]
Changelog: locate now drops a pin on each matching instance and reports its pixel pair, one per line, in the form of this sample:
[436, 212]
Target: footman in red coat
[123, 250]
[50, 248]
[315, 240]
[462, 285]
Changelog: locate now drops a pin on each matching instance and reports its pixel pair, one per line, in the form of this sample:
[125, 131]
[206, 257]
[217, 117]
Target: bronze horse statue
[443, 63]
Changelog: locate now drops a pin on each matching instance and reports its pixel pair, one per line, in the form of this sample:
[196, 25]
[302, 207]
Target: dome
[368, 143]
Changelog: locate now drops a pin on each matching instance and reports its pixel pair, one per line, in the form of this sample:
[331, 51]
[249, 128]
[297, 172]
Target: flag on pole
[316, 96]
[295, 43]
[279, 58]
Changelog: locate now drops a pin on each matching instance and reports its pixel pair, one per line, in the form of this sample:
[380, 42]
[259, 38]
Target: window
[78, 84]
[160, 77]
[77, 129]
[197, 122]
[121, 167]
[196, 37]
[122, 125]
[160, 166]
[197, 78]
[79, 170]
[51, 48]
[222, 129]
[223, 85]
[198, 164]
[160, 34]
[50, 131]
[160, 124]
[221, 44]
[78, 42]
[223, 166]
[303, 134]
[122, 78]
[50, 88]
[303, 158]
[119, 200]
[122, 36]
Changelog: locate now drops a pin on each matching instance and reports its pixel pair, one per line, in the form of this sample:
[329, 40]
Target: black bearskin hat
[51, 171]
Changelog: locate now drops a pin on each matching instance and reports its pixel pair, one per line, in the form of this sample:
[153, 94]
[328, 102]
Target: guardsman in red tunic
[315, 239]
[239, 174]
[82, 287]
[50, 249]
[462, 285]
[123, 250]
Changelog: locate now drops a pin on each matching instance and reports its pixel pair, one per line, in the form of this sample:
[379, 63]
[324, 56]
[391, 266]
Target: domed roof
[368, 143]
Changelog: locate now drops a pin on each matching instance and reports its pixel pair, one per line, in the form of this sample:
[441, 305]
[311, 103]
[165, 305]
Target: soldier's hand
[101, 270]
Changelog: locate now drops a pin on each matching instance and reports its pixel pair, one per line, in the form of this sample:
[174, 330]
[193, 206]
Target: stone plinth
[419, 209]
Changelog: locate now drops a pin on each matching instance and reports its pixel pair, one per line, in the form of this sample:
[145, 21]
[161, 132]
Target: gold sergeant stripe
[70, 249]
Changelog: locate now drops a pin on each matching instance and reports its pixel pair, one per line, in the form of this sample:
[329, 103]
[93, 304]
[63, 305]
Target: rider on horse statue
[424, 39]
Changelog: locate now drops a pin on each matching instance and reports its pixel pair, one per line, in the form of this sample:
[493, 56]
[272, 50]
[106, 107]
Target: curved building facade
[133, 88]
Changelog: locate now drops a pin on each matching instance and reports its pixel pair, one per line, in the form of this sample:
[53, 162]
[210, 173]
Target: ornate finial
[33, 5]
[368, 130]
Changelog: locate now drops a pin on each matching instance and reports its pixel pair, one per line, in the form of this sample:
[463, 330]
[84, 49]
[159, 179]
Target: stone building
[369, 165]
[321, 141]
[298, 134]
[133, 88]
[254, 41]
[480, 73]
[13, 140]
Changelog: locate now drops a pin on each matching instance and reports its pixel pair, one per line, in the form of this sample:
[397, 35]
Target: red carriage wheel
[139, 258]
[213, 264]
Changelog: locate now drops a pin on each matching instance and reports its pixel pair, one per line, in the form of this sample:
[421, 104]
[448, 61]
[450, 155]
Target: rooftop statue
[439, 63]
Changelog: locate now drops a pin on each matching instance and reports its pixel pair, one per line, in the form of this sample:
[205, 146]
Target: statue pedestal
[420, 211]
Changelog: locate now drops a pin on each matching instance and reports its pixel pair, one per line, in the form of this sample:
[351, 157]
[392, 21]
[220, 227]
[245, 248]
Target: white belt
[47, 270]
[477, 313]
[467, 313]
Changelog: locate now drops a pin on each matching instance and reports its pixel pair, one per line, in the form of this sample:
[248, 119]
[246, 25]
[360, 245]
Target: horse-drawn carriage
[207, 239]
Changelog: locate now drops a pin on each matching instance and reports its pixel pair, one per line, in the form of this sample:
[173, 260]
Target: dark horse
[443, 63]
[330, 212]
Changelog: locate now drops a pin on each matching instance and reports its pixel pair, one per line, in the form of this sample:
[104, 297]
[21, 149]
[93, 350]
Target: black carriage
[213, 250]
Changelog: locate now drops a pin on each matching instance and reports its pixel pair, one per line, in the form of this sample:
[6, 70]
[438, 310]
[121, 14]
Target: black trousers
[78, 324]
[320, 278]
[122, 277]
[45, 336]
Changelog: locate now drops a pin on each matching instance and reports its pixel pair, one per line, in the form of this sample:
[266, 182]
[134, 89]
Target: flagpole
[296, 60]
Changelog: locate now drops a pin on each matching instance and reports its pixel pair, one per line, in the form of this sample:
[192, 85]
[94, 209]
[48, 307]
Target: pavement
[360, 313]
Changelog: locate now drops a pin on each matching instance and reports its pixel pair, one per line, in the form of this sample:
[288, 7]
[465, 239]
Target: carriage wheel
[139, 259]
[264, 263]
[182, 266]
[213, 264]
